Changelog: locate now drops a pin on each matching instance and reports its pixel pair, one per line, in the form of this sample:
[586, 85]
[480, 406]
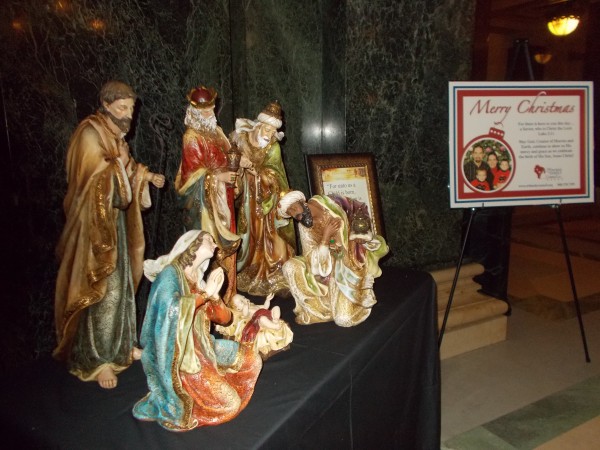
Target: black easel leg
[572, 278]
[460, 260]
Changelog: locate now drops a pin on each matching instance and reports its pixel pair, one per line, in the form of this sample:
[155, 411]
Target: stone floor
[569, 419]
[539, 282]
[543, 353]
[539, 358]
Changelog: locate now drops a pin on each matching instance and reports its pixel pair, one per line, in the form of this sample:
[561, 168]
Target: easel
[521, 46]
[563, 237]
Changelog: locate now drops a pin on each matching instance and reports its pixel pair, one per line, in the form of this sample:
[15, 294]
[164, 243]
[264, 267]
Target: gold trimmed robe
[102, 245]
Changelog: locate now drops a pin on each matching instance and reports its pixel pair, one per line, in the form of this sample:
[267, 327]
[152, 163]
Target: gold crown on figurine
[202, 97]
[271, 114]
[273, 109]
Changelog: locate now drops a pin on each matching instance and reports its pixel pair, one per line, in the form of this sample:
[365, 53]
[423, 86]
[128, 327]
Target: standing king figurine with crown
[206, 181]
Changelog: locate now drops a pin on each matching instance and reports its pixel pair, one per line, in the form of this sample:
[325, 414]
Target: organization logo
[539, 171]
[548, 173]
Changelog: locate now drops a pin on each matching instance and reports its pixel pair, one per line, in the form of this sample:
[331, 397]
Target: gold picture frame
[349, 174]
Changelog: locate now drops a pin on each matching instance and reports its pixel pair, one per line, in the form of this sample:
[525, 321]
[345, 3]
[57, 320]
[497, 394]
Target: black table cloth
[375, 385]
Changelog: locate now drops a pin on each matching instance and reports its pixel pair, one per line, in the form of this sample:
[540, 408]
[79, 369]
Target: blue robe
[168, 342]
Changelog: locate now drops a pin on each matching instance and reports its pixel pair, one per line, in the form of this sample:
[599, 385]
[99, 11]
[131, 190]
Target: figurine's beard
[124, 124]
[263, 141]
[195, 120]
[306, 217]
[209, 123]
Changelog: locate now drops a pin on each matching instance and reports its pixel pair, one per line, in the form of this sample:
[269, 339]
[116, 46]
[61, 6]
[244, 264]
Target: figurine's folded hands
[247, 166]
[246, 163]
[214, 283]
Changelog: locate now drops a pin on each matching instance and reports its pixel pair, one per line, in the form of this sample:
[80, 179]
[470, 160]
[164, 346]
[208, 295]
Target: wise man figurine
[267, 241]
[206, 180]
[333, 278]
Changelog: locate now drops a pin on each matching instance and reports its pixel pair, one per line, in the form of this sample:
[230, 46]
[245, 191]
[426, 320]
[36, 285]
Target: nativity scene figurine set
[202, 343]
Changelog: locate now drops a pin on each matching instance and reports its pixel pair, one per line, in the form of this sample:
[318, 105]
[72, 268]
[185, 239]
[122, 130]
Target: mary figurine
[193, 378]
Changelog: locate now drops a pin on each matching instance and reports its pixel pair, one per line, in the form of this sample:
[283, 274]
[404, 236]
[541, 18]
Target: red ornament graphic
[488, 162]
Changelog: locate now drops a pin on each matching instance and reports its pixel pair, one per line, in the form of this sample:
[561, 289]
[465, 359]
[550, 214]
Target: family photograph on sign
[487, 165]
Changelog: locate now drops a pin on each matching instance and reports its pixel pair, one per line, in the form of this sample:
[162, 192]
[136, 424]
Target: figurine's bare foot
[136, 353]
[107, 378]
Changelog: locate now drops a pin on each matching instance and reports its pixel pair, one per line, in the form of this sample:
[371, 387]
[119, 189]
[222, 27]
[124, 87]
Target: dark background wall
[351, 75]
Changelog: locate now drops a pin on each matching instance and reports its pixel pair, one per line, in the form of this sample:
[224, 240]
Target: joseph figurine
[101, 248]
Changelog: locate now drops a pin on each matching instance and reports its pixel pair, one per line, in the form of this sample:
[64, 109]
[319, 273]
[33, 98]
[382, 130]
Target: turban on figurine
[271, 115]
[288, 200]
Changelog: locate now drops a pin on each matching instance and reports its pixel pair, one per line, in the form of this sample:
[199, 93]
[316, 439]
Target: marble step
[475, 319]
[487, 307]
[466, 292]
[467, 271]
[472, 336]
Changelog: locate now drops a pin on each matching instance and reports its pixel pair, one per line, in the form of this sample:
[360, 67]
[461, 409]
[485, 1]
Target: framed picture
[350, 174]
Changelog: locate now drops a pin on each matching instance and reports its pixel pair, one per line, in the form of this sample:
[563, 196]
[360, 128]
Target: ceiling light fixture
[563, 25]
[542, 58]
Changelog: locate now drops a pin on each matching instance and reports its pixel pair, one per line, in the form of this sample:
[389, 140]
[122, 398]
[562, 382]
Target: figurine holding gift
[266, 242]
[206, 180]
[333, 278]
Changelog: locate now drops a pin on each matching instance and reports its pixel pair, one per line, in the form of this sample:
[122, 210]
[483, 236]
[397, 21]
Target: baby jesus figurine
[274, 334]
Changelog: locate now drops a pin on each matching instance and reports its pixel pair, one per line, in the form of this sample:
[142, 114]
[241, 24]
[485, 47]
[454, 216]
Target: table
[376, 385]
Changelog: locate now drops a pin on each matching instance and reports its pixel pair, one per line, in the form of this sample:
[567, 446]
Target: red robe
[207, 203]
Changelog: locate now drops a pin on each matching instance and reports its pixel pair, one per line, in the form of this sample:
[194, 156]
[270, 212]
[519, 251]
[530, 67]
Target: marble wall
[283, 57]
[368, 76]
[399, 58]
[351, 76]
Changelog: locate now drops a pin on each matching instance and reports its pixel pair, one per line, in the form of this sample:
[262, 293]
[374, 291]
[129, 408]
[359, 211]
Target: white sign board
[520, 143]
